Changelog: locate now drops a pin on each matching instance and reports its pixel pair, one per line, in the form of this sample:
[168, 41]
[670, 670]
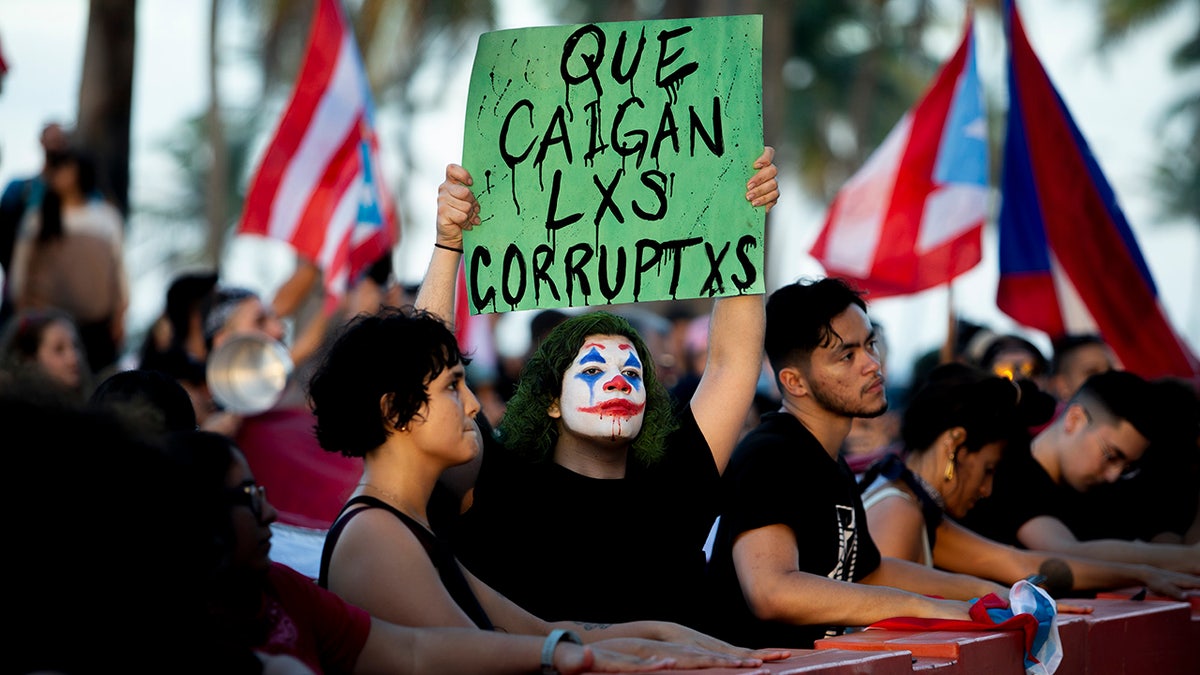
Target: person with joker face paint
[598, 493]
[603, 396]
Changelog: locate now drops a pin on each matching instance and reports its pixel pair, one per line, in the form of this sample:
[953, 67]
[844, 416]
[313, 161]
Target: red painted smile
[617, 407]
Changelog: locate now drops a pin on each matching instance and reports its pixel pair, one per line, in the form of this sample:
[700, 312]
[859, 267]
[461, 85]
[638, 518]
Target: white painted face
[603, 394]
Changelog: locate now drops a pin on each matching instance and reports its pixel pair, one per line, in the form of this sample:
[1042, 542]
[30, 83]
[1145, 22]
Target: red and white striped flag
[911, 218]
[319, 186]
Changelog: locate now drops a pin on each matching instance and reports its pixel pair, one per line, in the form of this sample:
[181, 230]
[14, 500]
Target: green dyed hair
[528, 429]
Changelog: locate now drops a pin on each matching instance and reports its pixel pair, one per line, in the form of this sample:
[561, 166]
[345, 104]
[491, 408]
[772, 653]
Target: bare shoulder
[890, 496]
[381, 566]
[893, 505]
[374, 540]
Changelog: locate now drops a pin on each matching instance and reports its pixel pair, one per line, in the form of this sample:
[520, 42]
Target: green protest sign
[610, 162]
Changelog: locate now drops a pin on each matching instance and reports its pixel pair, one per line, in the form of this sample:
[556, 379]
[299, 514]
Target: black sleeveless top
[439, 554]
[892, 468]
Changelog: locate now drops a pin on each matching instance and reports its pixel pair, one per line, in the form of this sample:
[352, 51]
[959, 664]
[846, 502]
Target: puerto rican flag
[912, 217]
[319, 185]
[1069, 262]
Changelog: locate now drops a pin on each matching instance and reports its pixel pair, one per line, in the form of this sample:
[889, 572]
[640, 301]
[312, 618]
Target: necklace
[929, 490]
[395, 502]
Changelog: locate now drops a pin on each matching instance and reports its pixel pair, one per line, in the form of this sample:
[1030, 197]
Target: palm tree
[217, 202]
[106, 92]
[1177, 176]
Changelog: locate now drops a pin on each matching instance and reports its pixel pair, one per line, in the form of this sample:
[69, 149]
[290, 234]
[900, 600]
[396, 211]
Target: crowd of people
[690, 491]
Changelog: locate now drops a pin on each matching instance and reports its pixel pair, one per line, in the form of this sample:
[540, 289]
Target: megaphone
[248, 373]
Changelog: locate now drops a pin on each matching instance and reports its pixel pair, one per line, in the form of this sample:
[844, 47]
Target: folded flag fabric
[1044, 653]
[319, 186]
[1029, 609]
[912, 217]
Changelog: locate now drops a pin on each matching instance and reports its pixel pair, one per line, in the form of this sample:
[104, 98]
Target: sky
[1117, 101]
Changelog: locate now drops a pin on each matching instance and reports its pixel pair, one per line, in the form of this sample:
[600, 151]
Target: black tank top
[439, 554]
[892, 468]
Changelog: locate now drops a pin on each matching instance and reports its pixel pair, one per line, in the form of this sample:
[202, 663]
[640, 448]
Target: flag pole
[951, 327]
[948, 350]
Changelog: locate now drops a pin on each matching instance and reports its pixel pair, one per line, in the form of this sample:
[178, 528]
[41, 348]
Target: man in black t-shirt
[793, 559]
[1101, 434]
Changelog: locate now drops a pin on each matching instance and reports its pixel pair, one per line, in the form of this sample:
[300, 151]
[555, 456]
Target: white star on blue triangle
[963, 153]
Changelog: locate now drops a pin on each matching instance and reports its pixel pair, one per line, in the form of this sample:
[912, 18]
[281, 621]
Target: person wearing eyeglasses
[956, 429]
[1100, 435]
[1159, 500]
[267, 607]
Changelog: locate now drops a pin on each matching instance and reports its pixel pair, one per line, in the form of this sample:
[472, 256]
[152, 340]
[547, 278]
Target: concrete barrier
[829, 662]
[947, 652]
[835, 662]
[1155, 636]
[1120, 637]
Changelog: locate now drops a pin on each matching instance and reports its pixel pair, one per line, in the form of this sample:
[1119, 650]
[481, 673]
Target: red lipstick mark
[617, 407]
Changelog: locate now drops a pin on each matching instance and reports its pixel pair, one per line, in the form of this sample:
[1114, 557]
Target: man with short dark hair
[1076, 358]
[1100, 436]
[793, 560]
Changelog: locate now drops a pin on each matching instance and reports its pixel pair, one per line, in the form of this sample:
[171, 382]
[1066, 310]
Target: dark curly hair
[393, 353]
[527, 427]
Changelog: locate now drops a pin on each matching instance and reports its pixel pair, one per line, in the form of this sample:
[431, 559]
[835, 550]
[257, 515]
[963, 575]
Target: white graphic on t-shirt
[847, 544]
[847, 552]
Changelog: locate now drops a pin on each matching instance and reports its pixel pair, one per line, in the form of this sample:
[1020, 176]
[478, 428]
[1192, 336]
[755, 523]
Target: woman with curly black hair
[392, 390]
